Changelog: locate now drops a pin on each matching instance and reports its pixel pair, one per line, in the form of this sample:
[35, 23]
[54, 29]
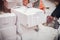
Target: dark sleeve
[56, 12]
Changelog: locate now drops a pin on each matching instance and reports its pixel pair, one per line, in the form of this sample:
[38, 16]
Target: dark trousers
[56, 12]
[59, 37]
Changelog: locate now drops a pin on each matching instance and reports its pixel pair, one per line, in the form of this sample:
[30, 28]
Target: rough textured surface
[44, 33]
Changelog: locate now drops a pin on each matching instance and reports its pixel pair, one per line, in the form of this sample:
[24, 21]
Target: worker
[47, 6]
[41, 5]
[25, 2]
[29, 3]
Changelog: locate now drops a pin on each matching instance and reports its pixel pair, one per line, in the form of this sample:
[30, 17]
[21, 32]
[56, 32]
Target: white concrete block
[7, 18]
[8, 33]
[34, 17]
